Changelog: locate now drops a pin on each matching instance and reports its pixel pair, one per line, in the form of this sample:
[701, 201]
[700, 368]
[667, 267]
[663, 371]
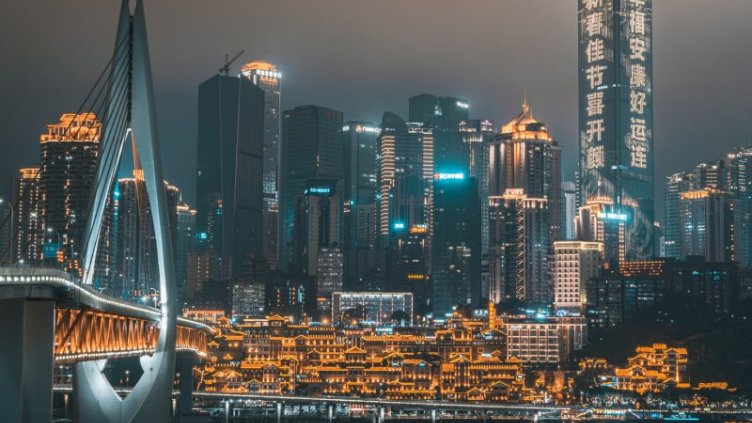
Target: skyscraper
[675, 185]
[710, 220]
[184, 243]
[616, 113]
[229, 188]
[67, 166]
[27, 222]
[359, 151]
[519, 248]
[525, 156]
[312, 148]
[443, 115]
[568, 209]
[476, 136]
[455, 243]
[266, 76]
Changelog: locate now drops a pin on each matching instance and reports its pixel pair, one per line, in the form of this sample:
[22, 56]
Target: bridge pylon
[131, 117]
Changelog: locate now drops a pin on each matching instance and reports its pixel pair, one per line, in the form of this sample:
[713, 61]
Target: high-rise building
[359, 151]
[185, 238]
[27, 223]
[599, 220]
[230, 169]
[710, 220]
[675, 185]
[130, 232]
[477, 134]
[312, 148]
[266, 76]
[576, 263]
[455, 243]
[377, 307]
[444, 115]
[568, 209]
[525, 156]
[67, 167]
[317, 235]
[616, 113]
[519, 248]
[405, 158]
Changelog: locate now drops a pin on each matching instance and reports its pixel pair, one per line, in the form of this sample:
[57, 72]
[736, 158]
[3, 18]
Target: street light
[12, 224]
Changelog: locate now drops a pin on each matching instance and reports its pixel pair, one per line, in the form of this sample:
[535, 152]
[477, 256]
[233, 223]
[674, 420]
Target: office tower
[739, 184]
[266, 76]
[67, 166]
[248, 299]
[312, 148]
[359, 151]
[710, 220]
[476, 136]
[599, 220]
[675, 185]
[568, 209]
[27, 228]
[455, 244]
[519, 248]
[616, 113]
[576, 264]
[184, 241]
[229, 181]
[410, 272]
[443, 115]
[525, 156]
[405, 157]
[317, 236]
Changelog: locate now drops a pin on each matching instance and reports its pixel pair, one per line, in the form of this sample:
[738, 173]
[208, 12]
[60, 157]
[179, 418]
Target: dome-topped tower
[525, 126]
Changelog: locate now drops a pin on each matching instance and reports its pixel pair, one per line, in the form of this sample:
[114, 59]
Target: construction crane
[225, 70]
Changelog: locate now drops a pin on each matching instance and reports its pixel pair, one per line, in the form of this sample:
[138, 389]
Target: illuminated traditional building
[359, 151]
[576, 263]
[266, 76]
[653, 369]
[616, 113]
[67, 166]
[229, 199]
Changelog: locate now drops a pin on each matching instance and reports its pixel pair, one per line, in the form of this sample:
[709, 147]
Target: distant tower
[616, 113]
[266, 76]
[229, 188]
[27, 221]
[312, 148]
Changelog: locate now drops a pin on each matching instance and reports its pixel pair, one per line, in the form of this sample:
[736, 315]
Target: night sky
[364, 57]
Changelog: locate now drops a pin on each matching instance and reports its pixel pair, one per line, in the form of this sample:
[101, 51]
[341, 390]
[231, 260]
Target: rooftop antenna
[225, 70]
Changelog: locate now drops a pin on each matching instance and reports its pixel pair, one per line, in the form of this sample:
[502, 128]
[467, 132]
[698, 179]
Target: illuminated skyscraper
[266, 76]
[576, 263]
[526, 157]
[476, 136]
[444, 115]
[312, 148]
[568, 209]
[599, 220]
[359, 151]
[675, 185]
[616, 113]
[711, 222]
[184, 241]
[519, 248]
[229, 188]
[67, 166]
[455, 244]
[27, 221]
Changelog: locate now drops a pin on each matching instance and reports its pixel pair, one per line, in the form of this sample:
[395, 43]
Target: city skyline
[367, 93]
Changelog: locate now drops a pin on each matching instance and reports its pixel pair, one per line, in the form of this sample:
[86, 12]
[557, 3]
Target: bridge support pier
[27, 330]
[280, 411]
[330, 411]
[433, 415]
[184, 366]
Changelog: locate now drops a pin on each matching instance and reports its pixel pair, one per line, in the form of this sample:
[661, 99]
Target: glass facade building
[616, 112]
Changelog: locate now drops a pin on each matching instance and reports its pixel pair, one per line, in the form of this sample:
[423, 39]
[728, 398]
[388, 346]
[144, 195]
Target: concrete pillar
[227, 411]
[280, 411]
[433, 415]
[330, 411]
[27, 331]
[184, 366]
